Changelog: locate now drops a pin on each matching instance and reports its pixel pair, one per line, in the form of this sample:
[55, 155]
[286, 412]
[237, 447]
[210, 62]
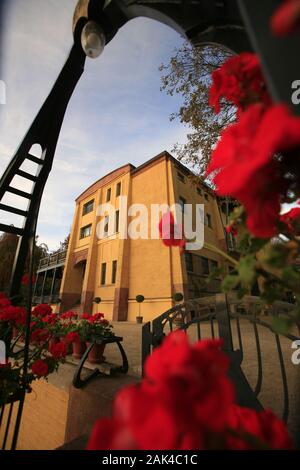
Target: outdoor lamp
[92, 40]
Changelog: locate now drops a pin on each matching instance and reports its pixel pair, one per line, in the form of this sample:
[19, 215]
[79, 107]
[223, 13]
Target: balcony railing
[52, 260]
[46, 299]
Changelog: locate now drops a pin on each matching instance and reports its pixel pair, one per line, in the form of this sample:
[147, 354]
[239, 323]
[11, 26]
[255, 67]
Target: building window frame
[108, 195]
[204, 262]
[180, 177]
[189, 262]
[181, 202]
[117, 221]
[213, 264]
[209, 220]
[88, 207]
[114, 272]
[106, 226]
[118, 189]
[85, 231]
[103, 274]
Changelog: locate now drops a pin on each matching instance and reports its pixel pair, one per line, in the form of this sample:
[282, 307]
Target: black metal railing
[46, 299]
[52, 260]
[9, 412]
[246, 329]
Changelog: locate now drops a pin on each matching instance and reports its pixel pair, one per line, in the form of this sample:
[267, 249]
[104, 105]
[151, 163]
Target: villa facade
[117, 269]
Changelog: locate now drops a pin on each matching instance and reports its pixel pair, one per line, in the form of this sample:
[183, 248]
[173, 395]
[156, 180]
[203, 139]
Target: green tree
[64, 245]
[188, 73]
[8, 248]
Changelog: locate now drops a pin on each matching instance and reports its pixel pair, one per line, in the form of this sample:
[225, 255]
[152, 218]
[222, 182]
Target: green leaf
[246, 269]
[257, 244]
[290, 275]
[281, 325]
[276, 256]
[243, 243]
[230, 282]
[241, 292]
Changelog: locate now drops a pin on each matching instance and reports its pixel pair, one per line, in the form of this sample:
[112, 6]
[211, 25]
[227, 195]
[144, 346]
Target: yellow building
[116, 270]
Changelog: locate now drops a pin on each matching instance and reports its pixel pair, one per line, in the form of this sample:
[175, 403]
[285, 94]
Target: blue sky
[116, 115]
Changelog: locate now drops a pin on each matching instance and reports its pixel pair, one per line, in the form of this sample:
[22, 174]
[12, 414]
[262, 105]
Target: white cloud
[117, 113]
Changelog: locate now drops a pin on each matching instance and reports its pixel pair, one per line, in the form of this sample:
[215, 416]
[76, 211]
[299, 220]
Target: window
[182, 202]
[208, 218]
[189, 261]
[108, 195]
[114, 272]
[106, 222]
[214, 264]
[118, 189]
[206, 197]
[88, 207]
[180, 177]
[199, 191]
[117, 221]
[85, 231]
[204, 265]
[103, 273]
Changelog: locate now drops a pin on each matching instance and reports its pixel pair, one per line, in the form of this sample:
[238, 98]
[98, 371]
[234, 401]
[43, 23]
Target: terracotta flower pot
[68, 345]
[78, 349]
[96, 354]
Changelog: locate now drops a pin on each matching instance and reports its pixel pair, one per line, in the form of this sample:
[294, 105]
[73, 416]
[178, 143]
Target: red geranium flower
[68, 315]
[192, 405]
[72, 337]
[290, 218]
[286, 18]
[97, 317]
[42, 310]
[58, 350]
[39, 336]
[26, 278]
[264, 426]
[40, 368]
[13, 314]
[240, 81]
[247, 149]
[178, 368]
[85, 316]
[4, 301]
[230, 229]
[50, 319]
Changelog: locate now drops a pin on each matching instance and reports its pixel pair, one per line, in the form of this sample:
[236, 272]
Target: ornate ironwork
[79, 382]
[219, 312]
